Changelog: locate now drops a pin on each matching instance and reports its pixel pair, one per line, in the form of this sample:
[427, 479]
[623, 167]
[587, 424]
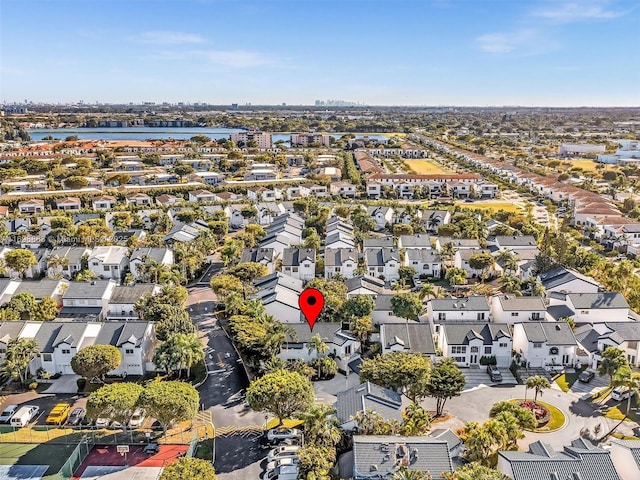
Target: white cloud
[222, 58]
[569, 12]
[167, 38]
[521, 42]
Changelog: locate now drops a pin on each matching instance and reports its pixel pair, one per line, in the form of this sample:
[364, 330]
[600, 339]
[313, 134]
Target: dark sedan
[76, 416]
[587, 376]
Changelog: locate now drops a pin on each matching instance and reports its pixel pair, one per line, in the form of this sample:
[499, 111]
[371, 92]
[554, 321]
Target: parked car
[283, 452]
[621, 393]
[276, 434]
[282, 462]
[58, 415]
[137, 419]
[586, 376]
[102, 422]
[7, 413]
[24, 415]
[494, 373]
[287, 472]
[76, 416]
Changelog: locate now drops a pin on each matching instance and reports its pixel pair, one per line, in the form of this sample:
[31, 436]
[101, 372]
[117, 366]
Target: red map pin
[311, 302]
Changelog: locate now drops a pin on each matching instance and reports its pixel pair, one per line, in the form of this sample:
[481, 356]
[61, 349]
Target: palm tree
[509, 260]
[20, 352]
[317, 344]
[406, 474]
[478, 442]
[321, 426]
[447, 252]
[189, 350]
[537, 288]
[55, 261]
[428, 291]
[537, 383]
[510, 284]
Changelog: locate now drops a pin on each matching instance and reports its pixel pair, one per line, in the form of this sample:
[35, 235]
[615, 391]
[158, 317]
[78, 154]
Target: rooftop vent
[558, 327]
[373, 468]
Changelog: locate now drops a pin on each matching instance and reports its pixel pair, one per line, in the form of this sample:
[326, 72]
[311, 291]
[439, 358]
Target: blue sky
[379, 52]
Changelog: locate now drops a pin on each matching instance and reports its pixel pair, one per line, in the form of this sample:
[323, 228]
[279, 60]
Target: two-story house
[299, 263]
[87, 299]
[124, 297]
[468, 309]
[594, 307]
[545, 344]
[384, 263]
[136, 341]
[382, 216]
[409, 337]
[263, 256]
[279, 294]
[367, 396]
[427, 263]
[340, 261]
[468, 343]
[512, 309]
[109, 261]
[144, 258]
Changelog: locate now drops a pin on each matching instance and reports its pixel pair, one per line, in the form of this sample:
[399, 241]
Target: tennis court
[29, 461]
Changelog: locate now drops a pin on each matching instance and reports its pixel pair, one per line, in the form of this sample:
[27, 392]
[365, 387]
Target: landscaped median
[557, 419]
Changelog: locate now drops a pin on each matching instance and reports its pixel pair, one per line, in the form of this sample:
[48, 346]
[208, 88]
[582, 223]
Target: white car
[621, 393]
[7, 413]
[288, 472]
[276, 434]
[102, 422]
[283, 452]
[282, 462]
[137, 419]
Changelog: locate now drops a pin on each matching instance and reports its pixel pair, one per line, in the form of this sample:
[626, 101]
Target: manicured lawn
[617, 412]
[491, 205]
[557, 421]
[426, 167]
[565, 380]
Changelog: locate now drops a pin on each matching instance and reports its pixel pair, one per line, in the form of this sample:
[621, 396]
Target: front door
[474, 359]
[565, 359]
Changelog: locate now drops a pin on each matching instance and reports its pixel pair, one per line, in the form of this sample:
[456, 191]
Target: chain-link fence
[75, 459]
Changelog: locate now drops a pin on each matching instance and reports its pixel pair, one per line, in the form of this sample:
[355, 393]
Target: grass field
[590, 165]
[565, 380]
[491, 205]
[53, 455]
[426, 167]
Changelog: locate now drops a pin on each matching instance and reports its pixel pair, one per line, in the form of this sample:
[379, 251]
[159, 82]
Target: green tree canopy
[358, 306]
[170, 402]
[475, 471]
[246, 272]
[189, 468]
[95, 361]
[400, 371]
[406, 305]
[169, 319]
[45, 310]
[116, 401]
[446, 381]
[224, 285]
[613, 359]
[335, 296]
[20, 260]
[281, 393]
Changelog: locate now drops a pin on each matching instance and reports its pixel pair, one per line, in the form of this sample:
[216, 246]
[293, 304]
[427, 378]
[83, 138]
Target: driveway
[64, 384]
[585, 390]
[477, 377]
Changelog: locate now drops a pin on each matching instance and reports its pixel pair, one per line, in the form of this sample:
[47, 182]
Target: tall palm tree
[189, 350]
[625, 377]
[317, 344]
[538, 384]
[537, 288]
[447, 252]
[407, 474]
[321, 426]
[510, 284]
[20, 352]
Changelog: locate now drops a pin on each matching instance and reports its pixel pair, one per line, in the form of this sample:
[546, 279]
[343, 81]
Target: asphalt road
[239, 448]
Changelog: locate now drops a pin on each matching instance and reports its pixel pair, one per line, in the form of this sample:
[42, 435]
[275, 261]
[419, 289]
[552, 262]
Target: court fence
[75, 459]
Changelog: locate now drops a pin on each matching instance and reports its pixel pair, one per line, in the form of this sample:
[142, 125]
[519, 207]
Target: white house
[467, 309]
[543, 344]
[69, 203]
[512, 309]
[104, 202]
[427, 263]
[343, 189]
[340, 261]
[66, 261]
[87, 299]
[136, 341]
[383, 312]
[418, 241]
[468, 343]
[623, 335]
[595, 307]
[382, 216]
[149, 255]
[31, 206]
[109, 262]
[410, 337]
[384, 263]
[124, 298]
[343, 346]
[299, 263]
[364, 285]
[264, 256]
[279, 294]
[563, 280]
[367, 396]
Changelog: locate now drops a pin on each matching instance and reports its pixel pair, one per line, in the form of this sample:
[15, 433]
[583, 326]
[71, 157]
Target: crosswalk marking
[247, 430]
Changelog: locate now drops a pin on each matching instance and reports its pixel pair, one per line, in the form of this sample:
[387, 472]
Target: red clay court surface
[107, 455]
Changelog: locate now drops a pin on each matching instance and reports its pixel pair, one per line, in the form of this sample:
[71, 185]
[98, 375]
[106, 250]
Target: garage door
[66, 369]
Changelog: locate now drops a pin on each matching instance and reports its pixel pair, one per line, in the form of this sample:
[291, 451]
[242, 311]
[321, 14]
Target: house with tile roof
[381, 456]
[31, 206]
[545, 344]
[104, 202]
[367, 396]
[578, 461]
[468, 343]
[68, 204]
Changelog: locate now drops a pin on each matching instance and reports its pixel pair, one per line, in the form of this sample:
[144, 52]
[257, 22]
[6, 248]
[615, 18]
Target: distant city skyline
[405, 52]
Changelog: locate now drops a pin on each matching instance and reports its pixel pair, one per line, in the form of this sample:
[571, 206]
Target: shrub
[488, 360]
[33, 385]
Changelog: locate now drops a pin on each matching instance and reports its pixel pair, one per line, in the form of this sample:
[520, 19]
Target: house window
[337, 269]
[537, 345]
[503, 345]
[487, 350]
[66, 351]
[129, 351]
[347, 350]
[584, 312]
[106, 268]
[475, 349]
[295, 269]
[287, 269]
[458, 349]
[46, 357]
[442, 316]
[459, 359]
[381, 269]
[515, 314]
[535, 316]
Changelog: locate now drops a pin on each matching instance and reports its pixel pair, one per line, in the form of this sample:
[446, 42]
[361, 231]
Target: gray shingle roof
[422, 255]
[415, 241]
[623, 331]
[511, 303]
[552, 333]
[448, 436]
[303, 333]
[541, 461]
[383, 455]
[601, 300]
[379, 242]
[337, 256]
[474, 303]
[416, 337]
[151, 253]
[40, 289]
[365, 281]
[368, 396]
[129, 294]
[560, 275]
[339, 236]
[257, 255]
[118, 333]
[516, 241]
[380, 256]
[295, 256]
[73, 254]
[462, 333]
[93, 289]
[560, 311]
[459, 242]
[10, 331]
[52, 334]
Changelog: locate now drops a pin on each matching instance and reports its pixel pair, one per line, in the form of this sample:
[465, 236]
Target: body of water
[152, 133]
